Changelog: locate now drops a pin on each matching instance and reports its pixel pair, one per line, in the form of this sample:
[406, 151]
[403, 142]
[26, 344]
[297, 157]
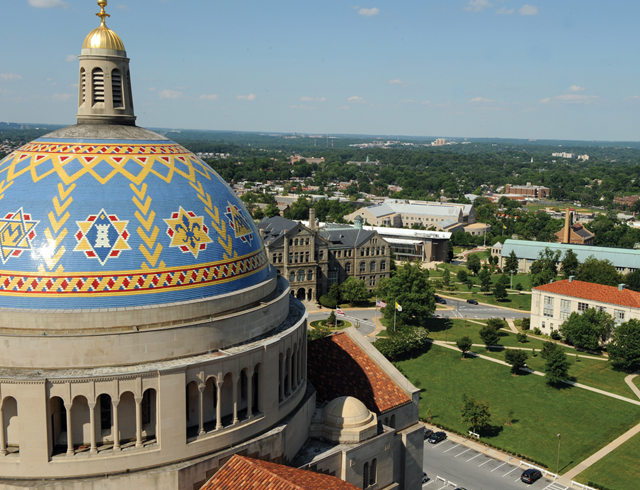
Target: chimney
[312, 219]
[571, 278]
[567, 226]
[620, 287]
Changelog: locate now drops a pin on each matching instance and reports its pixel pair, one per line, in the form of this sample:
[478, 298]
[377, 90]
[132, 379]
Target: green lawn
[618, 470]
[515, 301]
[586, 420]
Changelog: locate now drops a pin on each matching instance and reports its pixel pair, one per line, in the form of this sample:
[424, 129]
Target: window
[116, 89]
[296, 257]
[300, 275]
[306, 242]
[83, 84]
[295, 242]
[618, 315]
[309, 275]
[548, 306]
[97, 81]
[565, 304]
[290, 241]
[601, 308]
[365, 475]
[372, 472]
[363, 267]
[333, 277]
[583, 306]
[564, 315]
[382, 250]
[292, 276]
[347, 267]
[290, 258]
[146, 407]
[306, 257]
[383, 265]
[372, 266]
[362, 252]
[321, 254]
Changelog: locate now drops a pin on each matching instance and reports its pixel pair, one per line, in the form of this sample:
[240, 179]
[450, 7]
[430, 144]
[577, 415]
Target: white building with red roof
[552, 304]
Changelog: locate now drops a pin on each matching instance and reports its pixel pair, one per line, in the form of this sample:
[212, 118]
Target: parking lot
[450, 465]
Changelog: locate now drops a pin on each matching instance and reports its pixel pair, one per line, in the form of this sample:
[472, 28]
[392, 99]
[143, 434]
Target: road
[462, 309]
[473, 470]
[364, 316]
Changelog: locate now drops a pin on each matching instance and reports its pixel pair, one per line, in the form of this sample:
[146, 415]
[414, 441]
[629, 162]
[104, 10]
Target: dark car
[531, 475]
[440, 300]
[436, 437]
[427, 433]
[472, 302]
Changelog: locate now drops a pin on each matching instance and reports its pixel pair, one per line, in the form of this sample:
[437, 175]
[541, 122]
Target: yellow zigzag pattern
[218, 224]
[57, 220]
[146, 217]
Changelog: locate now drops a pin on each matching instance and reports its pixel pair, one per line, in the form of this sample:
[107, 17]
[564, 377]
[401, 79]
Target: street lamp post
[558, 460]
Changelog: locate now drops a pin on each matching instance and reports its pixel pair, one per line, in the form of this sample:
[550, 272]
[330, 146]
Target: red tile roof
[593, 292]
[242, 473]
[338, 367]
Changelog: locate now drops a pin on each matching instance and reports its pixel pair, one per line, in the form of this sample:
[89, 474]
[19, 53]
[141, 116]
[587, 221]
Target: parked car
[440, 300]
[531, 475]
[436, 437]
[425, 478]
[472, 302]
[427, 433]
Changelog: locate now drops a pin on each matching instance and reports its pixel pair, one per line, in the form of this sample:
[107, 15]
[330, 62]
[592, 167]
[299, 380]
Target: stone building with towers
[146, 338]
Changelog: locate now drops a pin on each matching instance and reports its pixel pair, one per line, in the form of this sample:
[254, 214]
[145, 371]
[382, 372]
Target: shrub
[526, 323]
[518, 287]
[537, 331]
[327, 301]
[404, 344]
[522, 337]
[555, 335]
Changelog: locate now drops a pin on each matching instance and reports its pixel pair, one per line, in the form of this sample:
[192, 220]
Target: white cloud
[355, 98]
[576, 88]
[70, 58]
[169, 94]
[369, 12]
[426, 102]
[576, 98]
[61, 97]
[480, 99]
[209, 97]
[9, 76]
[528, 10]
[505, 11]
[47, 4]
[246, 97]
[478, 5]
[545, 101]
[633, 97]
[313, 99]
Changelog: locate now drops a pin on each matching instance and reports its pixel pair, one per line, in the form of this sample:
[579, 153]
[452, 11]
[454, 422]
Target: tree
[464, 344]
[526, 323]
[548, 348]
[599, 272]
[517, 358]
[511, 262]
[403, 344]
[411, 288]
[446, 277]
[462, 276]
[332, 320]
[569, 263]
[475, 412]
[632, 280]
[500, 288]
[489, 335]
[589, 329]
[557, 367]
[485, 280]
[545, 268]
[473, 263]
[624, 348]
[271, 210]
[334, 293]
[353, 290]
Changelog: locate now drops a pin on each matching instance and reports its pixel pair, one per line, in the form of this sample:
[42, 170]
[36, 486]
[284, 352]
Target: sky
[547, 69]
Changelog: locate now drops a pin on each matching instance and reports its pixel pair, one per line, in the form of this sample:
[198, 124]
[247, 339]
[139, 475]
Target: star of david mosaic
[188, 232]
[17, 230]
[102, 236]
[239, 223]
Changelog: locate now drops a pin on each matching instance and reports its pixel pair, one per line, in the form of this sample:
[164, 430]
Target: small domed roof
[346, 412]
[103, 37]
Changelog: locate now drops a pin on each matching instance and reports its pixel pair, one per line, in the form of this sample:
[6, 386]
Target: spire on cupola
[105, 83]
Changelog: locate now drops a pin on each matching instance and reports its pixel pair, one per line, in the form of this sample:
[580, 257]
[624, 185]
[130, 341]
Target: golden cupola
[105, 95]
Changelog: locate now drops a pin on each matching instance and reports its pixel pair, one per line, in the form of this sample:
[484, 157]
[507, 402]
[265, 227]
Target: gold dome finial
[102, 4]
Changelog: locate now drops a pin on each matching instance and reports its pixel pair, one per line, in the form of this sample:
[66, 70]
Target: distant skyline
[563, 69]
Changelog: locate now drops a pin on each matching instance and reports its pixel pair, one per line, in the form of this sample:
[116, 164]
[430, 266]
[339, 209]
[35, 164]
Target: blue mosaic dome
[107, 223]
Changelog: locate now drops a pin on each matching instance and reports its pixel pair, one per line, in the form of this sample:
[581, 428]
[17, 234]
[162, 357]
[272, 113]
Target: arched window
[83, 86]
[377, 250]
[382, 250]
[97, 82]
[290, 241]
[301, 275]
[362, 252]
[372, 266]
[116, 89]
[347, 267]
[393, 421]
[309, 275]
[306, 242]
[373, 472]
[365, 476]
[292, 276]
[363, 267]
[383, 265]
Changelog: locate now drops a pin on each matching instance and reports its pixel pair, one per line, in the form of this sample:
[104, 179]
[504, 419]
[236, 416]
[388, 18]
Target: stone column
[92, 423]
[219, 404]
[249, 393]
[201, 408]
[138, 421]
[3, 438]
[288, 390]
[70, 451]
[235, 398]
[116, 425]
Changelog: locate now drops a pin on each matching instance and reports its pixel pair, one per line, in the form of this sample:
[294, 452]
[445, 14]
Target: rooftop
[593, 292]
